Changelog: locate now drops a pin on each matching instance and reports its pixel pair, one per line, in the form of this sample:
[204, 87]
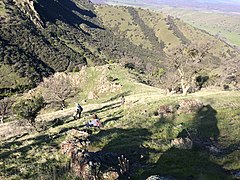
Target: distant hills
[221, 18]
[218, 5]
[38, 38]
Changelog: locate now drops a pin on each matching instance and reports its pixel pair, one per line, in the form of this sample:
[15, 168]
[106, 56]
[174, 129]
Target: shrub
[28, 109]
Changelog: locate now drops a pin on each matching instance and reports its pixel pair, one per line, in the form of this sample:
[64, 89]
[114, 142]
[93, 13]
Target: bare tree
[187, 62]
[58, 88]
[5, 106]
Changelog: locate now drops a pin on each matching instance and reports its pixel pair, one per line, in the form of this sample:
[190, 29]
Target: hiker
[95, 122]
[122, 100]
[78, 111]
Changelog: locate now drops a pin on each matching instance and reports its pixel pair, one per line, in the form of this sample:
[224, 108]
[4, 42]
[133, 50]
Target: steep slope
[41, 37]
[56, 36]
[155, 31]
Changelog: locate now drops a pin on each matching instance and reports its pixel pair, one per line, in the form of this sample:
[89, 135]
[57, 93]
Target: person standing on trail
[78, 111]
[122, 100]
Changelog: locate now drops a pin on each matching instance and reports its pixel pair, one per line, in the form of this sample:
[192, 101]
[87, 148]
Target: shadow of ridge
[63, 130]
[12, 139]
[63, 10]
[112, 119]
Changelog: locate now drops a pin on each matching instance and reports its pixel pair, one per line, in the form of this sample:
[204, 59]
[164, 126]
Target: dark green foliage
[177, 32]
[148, 32]
[28, 109]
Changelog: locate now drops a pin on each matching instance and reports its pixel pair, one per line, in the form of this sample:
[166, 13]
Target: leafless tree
[58, 88]
[5, 106]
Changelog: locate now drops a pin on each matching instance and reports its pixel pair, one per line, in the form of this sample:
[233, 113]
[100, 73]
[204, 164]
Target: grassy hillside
[226, 26]
[154, 31]
[134, 130]
[220, 19]
[40, 37]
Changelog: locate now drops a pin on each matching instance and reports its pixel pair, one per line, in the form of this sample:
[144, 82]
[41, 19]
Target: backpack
[79, 108]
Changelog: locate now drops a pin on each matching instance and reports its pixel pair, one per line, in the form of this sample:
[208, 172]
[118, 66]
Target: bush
[28, 109]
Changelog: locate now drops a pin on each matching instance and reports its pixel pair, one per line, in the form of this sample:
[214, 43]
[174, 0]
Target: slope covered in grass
[133, 129]
[155, 31]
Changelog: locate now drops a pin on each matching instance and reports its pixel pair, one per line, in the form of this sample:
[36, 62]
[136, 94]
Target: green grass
[119, 18]
[157, 22]
[11, 79]
[226, 25]
[135, 131]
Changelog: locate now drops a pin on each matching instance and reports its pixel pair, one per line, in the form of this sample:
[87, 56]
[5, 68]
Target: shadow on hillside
[36, 141]
[118, 96]
[193, 163]
[205, 122]
[104, 108]
[65, 11]
[127, 142]
[15, 138]
[25, 154]
[111, 118]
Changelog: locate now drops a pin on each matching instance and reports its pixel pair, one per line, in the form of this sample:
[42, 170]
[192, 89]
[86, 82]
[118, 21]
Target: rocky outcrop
[92, 165]
[182, 143]
[104, 85]
[157, 177]
[189, 106]
[165, 110]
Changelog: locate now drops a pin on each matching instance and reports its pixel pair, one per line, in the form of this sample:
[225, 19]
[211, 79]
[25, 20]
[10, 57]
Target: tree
[28, 109]
[5, 105]
[187, 61]
[170, 79]
[230, 72]
[58, 88]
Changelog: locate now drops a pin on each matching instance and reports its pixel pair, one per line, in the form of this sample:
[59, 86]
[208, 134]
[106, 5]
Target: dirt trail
[130, 100]
[12, 129]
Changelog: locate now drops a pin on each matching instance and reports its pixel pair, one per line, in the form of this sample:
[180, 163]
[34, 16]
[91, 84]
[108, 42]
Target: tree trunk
[185, 87]
[170, 91]
[62, 104]
[185, 90]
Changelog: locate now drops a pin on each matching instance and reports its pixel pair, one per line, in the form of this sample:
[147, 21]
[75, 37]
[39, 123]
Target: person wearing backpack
[78, 111]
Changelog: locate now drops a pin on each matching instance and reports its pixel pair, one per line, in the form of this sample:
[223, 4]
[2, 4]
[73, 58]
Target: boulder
[182, 143]
[92, 95]
[111, 175]
[157, 177]
[190, 106]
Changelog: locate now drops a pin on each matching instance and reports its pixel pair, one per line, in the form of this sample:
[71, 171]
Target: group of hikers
[95, 121]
